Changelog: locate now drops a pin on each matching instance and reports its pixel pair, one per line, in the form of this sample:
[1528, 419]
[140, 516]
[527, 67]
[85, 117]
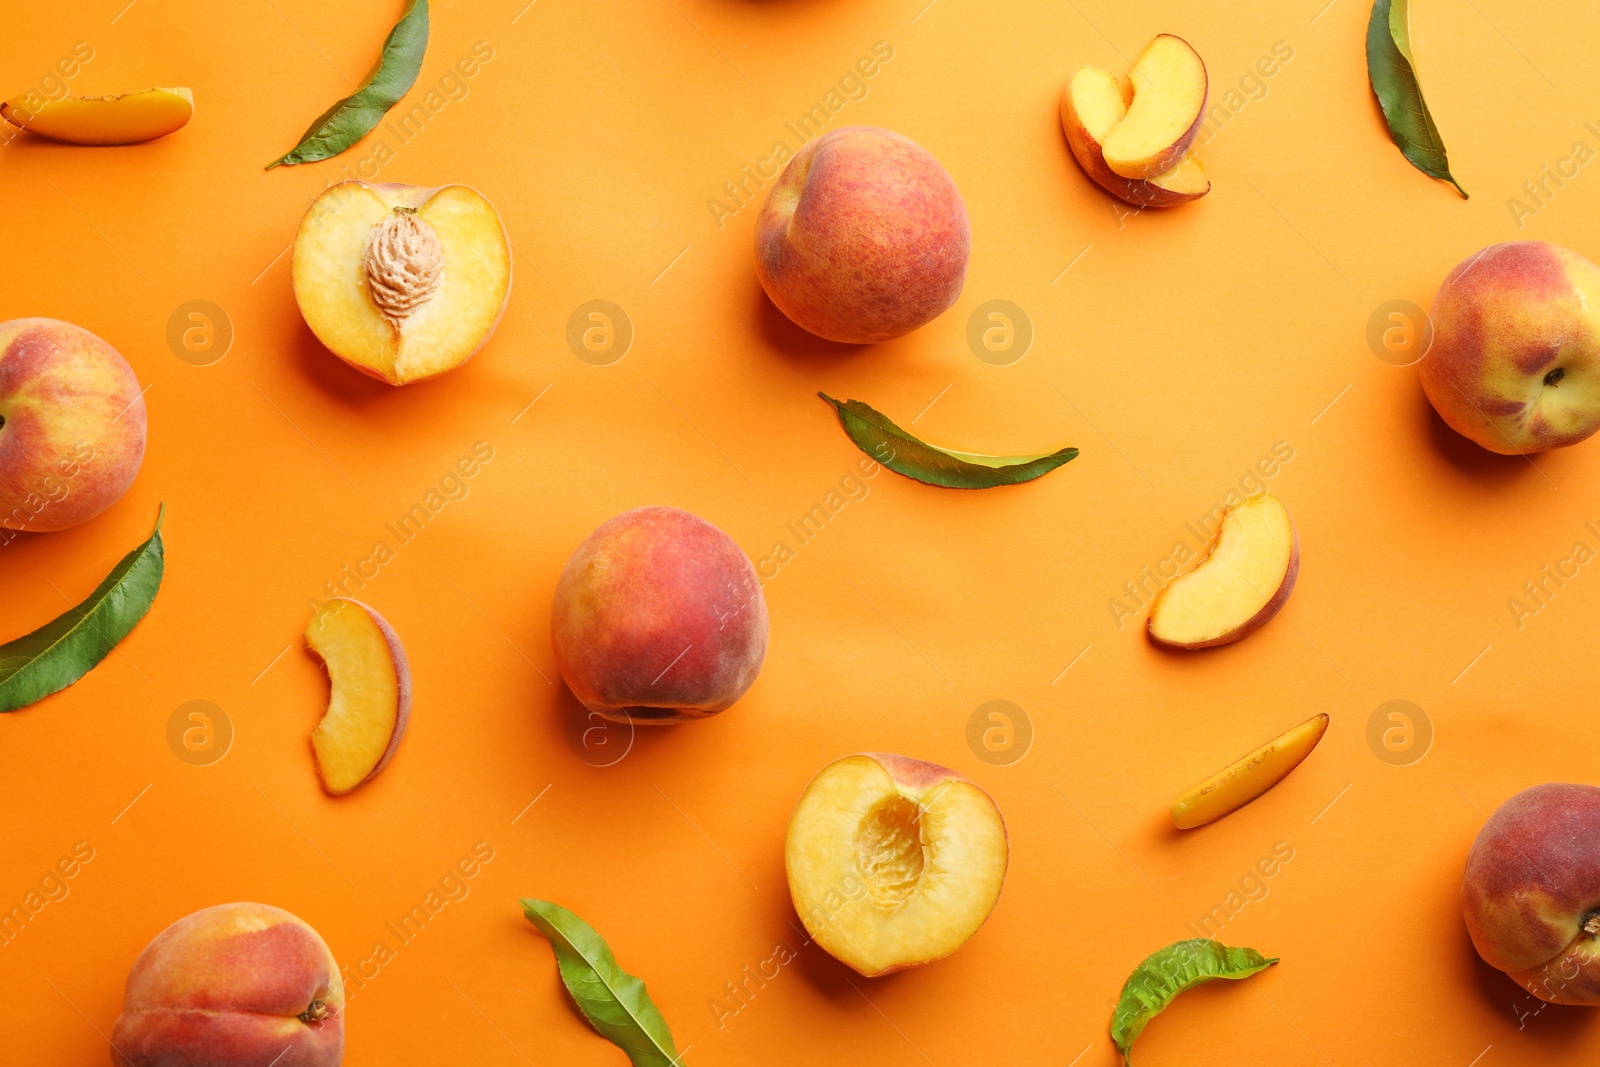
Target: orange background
[1176, 351]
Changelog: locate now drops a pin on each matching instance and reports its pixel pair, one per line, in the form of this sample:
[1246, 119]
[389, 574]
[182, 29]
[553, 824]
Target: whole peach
[863, 237]
[658, 618]
[236, 985]
[72, 425]
[1531, 894]
[1515, 362]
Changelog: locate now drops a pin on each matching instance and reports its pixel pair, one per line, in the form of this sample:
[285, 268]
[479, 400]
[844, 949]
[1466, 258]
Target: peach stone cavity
[893, 862]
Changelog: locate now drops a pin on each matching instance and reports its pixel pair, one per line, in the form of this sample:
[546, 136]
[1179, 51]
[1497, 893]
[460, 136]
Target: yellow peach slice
[1239, 585]
[1241, 782]
[371, 693]
[892, 861]
[402, 282]
[1092, 104]
[1169, 99]
[103, 120]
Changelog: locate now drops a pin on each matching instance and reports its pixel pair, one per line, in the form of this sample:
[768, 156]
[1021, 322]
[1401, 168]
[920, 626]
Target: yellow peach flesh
[1242, 582]
[104, 120]
[333, 286]
[887, 874]
[1096, 101]
[370, 694]
[1169, 97]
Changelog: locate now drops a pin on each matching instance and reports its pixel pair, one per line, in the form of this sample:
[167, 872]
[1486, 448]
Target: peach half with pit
[893, 862]
[399, 281]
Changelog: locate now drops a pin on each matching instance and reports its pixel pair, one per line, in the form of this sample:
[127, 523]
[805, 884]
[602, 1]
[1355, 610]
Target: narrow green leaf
[902, 453]
[1392, 70]
[352, 118]
[614, 1001]
[1164, 974]
[67, 647]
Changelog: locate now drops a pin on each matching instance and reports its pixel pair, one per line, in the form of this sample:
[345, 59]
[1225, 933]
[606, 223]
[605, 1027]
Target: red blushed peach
[1531, 894]
[1515, 362]
[658, 618]
[72, 425]
[236, 985]
[863, 237]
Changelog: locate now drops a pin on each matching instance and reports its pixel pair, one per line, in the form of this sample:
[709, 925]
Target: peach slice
[399, 281]
[1169, 99]
[1238, 586]
[371, 693]
[1242, 781]
[1092, 104]
[893, 862]
[103, 120]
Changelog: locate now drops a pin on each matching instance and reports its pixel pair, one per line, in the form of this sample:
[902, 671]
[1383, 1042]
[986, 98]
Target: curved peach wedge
[371, 693]
[399, 281]
[892, 861]
[1092, 104]
[1239, 585]
[1169, 100]
[128, 118]
[1242, 781]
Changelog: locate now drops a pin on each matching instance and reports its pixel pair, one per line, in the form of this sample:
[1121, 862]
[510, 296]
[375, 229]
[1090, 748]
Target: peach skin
[235, 985]
[863, 237]
[1531, 892]
[658, 618]
[72, 425]
[1515, 362]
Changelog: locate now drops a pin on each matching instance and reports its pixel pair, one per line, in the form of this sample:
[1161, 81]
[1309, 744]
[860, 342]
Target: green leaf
[1164, 974]
[352, 118]
[614, 1001]
[902, 453]
[1393, 73]
[67, 647]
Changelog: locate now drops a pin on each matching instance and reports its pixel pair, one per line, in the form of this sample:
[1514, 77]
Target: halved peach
[1169, 100]
[1092, 104]
[402, 282]
[102, 120]
[1238, 586]
[371, 693]
[892, 861]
